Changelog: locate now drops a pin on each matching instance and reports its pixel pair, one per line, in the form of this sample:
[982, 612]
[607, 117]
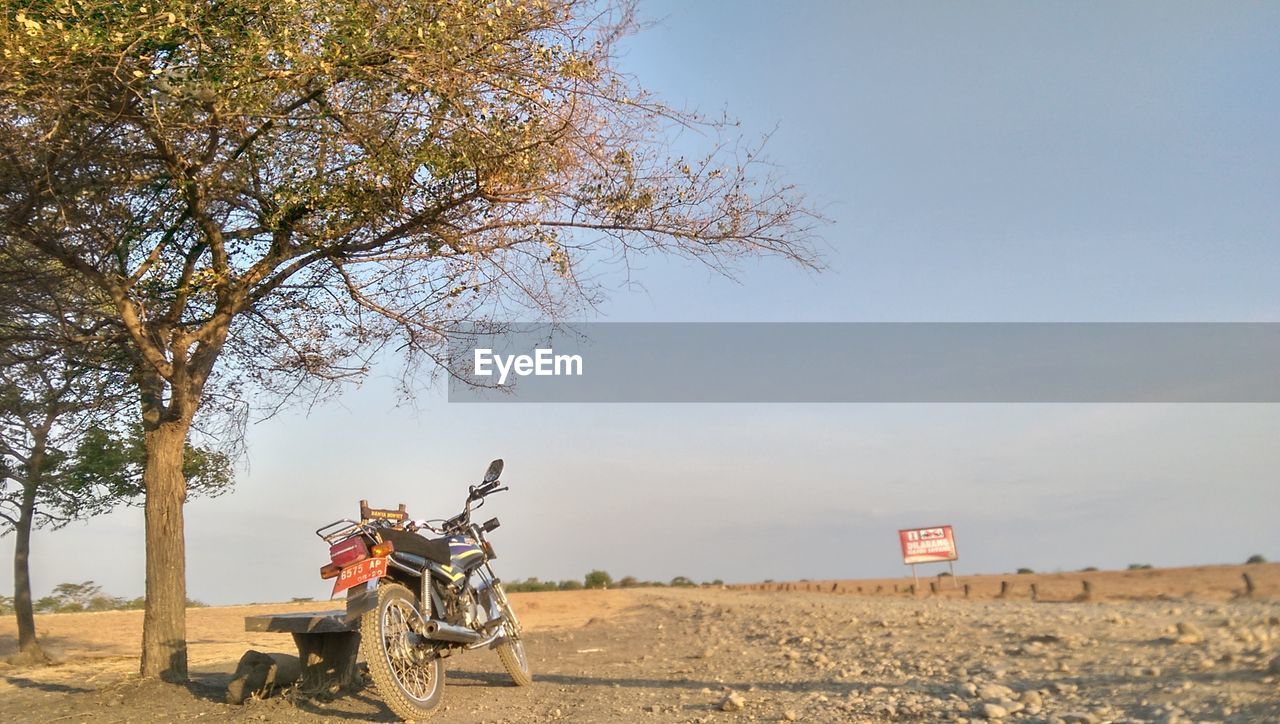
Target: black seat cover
[433, 549]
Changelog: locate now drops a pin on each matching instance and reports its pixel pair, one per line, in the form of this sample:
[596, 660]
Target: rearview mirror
[494, 471]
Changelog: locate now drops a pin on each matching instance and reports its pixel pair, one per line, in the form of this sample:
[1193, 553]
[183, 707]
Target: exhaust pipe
[437, 630]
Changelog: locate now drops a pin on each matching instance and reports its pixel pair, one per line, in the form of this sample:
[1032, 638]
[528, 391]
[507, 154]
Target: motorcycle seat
[433, 549]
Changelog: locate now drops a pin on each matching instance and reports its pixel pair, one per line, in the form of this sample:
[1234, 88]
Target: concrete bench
[327, 647]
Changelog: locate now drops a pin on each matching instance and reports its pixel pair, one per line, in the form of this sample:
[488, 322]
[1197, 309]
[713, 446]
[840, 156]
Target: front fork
[499, 608]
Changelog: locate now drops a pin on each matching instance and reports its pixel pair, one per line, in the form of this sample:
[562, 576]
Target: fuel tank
[465, 555]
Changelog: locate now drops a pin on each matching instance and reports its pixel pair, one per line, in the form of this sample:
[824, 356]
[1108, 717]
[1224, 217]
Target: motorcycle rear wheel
[411, 687]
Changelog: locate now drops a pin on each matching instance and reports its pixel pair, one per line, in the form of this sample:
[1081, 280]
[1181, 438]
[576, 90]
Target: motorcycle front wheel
[511, 646]
[408, 677]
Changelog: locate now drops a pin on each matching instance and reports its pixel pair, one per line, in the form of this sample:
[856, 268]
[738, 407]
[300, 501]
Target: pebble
[992, 711]
[733, 702]
[1189, 633]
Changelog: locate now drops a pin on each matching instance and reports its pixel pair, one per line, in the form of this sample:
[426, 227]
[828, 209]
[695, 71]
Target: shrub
[598, 579]
[531, 585]
[1139, 566]
[1024, 571]
[1088, 569]
[628, 582]
[572, 584]
[1256, 558]
[682, 581]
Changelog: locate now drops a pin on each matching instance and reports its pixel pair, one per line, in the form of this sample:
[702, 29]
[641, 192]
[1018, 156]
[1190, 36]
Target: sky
[978, 162]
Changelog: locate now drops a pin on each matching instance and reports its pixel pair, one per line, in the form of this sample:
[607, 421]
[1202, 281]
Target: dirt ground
[1174, 645]
[1210, 583]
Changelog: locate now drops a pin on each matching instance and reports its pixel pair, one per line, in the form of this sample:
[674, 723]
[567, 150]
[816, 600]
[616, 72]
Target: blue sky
[979, 162]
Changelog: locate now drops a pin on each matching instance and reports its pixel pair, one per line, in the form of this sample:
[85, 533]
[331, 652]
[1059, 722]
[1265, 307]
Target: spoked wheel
[409, 677]
[511, 646]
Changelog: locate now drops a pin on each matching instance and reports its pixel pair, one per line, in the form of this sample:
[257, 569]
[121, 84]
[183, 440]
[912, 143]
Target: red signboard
[928, 545]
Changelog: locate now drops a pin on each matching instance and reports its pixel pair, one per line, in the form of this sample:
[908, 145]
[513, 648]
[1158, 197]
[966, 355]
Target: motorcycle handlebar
[488, 489]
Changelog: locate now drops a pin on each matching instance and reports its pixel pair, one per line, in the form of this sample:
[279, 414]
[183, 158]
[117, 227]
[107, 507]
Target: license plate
[362, 572]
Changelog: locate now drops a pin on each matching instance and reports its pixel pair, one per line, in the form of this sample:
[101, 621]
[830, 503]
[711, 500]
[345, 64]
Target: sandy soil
[1145, 650]
[216, 635]
[1206, 583]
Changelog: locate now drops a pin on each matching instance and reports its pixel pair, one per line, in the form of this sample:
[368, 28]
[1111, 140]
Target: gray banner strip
[871, 362]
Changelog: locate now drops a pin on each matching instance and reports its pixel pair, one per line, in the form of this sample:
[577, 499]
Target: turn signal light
[329, 570]
[383, 549]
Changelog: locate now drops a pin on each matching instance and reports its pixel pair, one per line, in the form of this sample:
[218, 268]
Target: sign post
[929, 545]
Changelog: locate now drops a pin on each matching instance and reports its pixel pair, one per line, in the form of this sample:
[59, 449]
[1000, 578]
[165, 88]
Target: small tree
[628, 582]
[1256, 558]
[682, 581]
[597, 579]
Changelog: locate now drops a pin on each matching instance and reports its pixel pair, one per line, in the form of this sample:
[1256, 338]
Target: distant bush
[1139, 566]
[682, 582]
[301, 599]
[1024, 571]
[531, 585]
[6, 605]
[1088, 569]
[944, 574]
[628, 582]
[597, 579]
[572, 584]
[81, 597]
[1256, 558]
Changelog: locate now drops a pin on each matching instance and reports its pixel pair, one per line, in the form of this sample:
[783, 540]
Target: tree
[65, 453]
[1256, 558]
[276, 191]
[597, 579]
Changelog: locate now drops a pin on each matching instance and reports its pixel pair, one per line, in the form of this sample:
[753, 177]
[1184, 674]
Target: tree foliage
[328, 176]
[597, 579]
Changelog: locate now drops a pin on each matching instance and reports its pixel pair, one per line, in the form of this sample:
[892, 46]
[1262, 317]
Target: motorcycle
[420, 599]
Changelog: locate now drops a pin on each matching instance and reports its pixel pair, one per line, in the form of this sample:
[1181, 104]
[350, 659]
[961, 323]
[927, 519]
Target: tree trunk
[28, 647]
[164, 625]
